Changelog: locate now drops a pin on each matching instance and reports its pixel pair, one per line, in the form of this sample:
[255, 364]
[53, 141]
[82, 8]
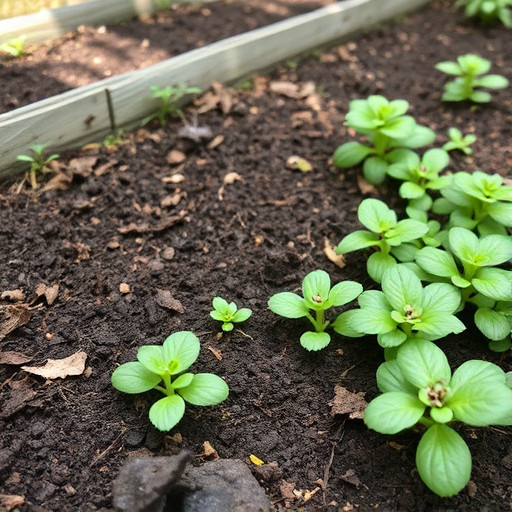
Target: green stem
[161, 389]
[426, 422]
[168, 386]
[318, 322]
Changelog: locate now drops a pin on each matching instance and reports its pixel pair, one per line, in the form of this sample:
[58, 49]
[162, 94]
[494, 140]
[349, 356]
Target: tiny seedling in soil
[162, 368]
[319, 297]
[488, 11]
[38, 163]
[169, 102]
[14, 47]
[470, 70]
[418, 387]
[387, 128]
[459, 142]
[228, 314]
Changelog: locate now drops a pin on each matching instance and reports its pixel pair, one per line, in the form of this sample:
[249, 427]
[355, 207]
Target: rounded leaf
[315, 289]
[357, 240]
[375, 170]
[344, 292]
[183, 347]
[205, 389]
[134, 378]
[350, 154]
[221, 305]
[376, 215]
[288, 304]
[242, 315]
[314, 341]
[390, 378]
[402, 288]
[167, 412]
[492, 325]
[378, 264]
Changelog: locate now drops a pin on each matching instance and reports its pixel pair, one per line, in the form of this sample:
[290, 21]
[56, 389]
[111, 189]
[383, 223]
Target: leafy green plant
[418, 387]
[38, 162]
[387, 129]
[228, 314]
[114, 139]
[488, 11]
[386, 233]
[459, 142]
[477, 201]
[404, 310]
[14, 47]
[319, 297]
[169, 102]
[162, 368]
[470, 70]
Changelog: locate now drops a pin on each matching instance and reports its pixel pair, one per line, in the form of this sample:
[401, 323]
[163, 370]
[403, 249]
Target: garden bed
[113, 226]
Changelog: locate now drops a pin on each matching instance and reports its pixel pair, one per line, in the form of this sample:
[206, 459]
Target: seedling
[404, 310]
[385, 234]
[459, 142]
[14, 47]
[169, 98]
[38, 163]
[228, 314]
[418, 388]
[387, 128]
[470, 70]
[161, 367]
[319, 297]
[488, 11]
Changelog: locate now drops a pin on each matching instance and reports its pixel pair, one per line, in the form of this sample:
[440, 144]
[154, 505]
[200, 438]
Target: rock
[224, 486]
[143, 482]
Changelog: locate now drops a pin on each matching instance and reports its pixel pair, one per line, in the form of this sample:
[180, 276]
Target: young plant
[488, 11]
[162, 368]
[169, 102]
[470, 70]
[38, 163]
[14, 47]
[459, 142]
[385, 234]
[404, 310]
[319, 297]
[387, 128]
[228, 313]
[418, 387]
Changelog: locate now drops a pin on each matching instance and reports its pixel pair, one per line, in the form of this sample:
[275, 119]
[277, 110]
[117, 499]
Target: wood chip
[347, 403]
[209, 452]
[60, 368]
[229, 179]
[165, 299]
[364, 186]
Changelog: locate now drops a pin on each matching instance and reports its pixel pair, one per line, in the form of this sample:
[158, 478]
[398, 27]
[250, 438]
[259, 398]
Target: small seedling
[161, 367]
[319, 297]
[228, 314]
[38, 163]
[14, 47]
[488, 11]
[459, 142]
[387, 128]
[169, 102]
[113, 139]
[419, 387]
[470, 70]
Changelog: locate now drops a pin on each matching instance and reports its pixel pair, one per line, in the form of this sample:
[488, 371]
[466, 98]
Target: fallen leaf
[292, 90]
[165, 299]
[298, 163]
[50, 293]
[330, 252]
[14, 316]
[175, 157]
[60, 181]
[211, 99]
[209, 452]
[351, 478]
[15, 400]
[255, 460]
[156, 227]
[229, 179]
[83, 166]
[346, 402]
[364, 186]
[12, 357]
[60, 368]
[10, 501]
[13, 295]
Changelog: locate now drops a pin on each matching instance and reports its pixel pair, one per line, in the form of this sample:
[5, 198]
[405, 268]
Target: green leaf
[375, 170]
[501, 212]
[422, 363]
[377, 265]
[410, 190]
[152, 357]
[491, 82]
[314, 341]
[183, 347]
[167, 412]
[495, 249]
[464, 243]
[399, 128]
[25, 158]
[221, 305]
[357, 240]
[480, 97]
[390, 378]
[288, 304]
[344, 292]
[227, 326]
[500, 345]
[435, 160]
[410, 229]
[443, 460]
[216, 315]
[373, 320]
[492, 324]
[495, 283]
[205, 389]
[441, 415]
[315, 289]
[346, 326]
[350, 154]
[434, 326]
[376, 215]
[440, 298]
[374, 299]
[402, 287]
[183, 380]
[420, 136]
[391, 339]
[134, 378]
[437, 262]
[449, 67]
[404, 252]
[242, 315]
[393, 412]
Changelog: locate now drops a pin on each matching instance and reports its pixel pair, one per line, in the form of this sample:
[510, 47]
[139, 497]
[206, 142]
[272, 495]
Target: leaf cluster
[488, 11]
[228, 314]
[38, 162]
[14, 47]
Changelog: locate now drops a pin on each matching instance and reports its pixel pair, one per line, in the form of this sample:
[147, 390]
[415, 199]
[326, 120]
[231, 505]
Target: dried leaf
[351, 478]
[83, 166]
[13, 295]
[156, 227]
[10, 501]
[165, 299]
[346, 402]
[50, 293]
[364, 186]
[14, 316]
[211, 99]
[330, 252]
[292, 90]
[209, 451]
[60, 368]
[11, 357]
[298, 163]
[60, 181]
[216, 141]
[16, 400]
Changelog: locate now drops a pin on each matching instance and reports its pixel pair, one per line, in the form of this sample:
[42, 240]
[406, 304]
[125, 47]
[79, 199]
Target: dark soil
[111, 229]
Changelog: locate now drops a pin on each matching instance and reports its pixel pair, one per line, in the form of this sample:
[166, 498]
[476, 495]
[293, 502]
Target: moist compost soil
[122, 246]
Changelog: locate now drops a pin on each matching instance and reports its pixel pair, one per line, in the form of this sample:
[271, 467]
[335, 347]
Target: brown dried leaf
[60, 368]
[10, 501]
[16, 400]
[16, 358]
[13, 295]
[60, 181]
[364, 186]
[211, 99]
[156, 227]
[330, 252]
[351, 478]
[292, 90]
[14, 316]
[346, 402]
[50, 293]
[165, 299]
[209, 452]
[82, 166]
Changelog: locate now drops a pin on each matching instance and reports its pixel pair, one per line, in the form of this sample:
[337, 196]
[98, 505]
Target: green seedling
[14, 47]
[459, 142]
[420, 175]
[228, 314]
[477, 201]
[470, 70]
[387, 128]
[169, 102]
[38, 163]
[318, 296]
[418, 387]
[404, 310]
[385, 233]
[113, 139]
[488, 11]
[162, 368]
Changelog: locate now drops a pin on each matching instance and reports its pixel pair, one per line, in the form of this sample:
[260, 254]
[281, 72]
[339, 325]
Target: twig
[341, 430]
[106, 450]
